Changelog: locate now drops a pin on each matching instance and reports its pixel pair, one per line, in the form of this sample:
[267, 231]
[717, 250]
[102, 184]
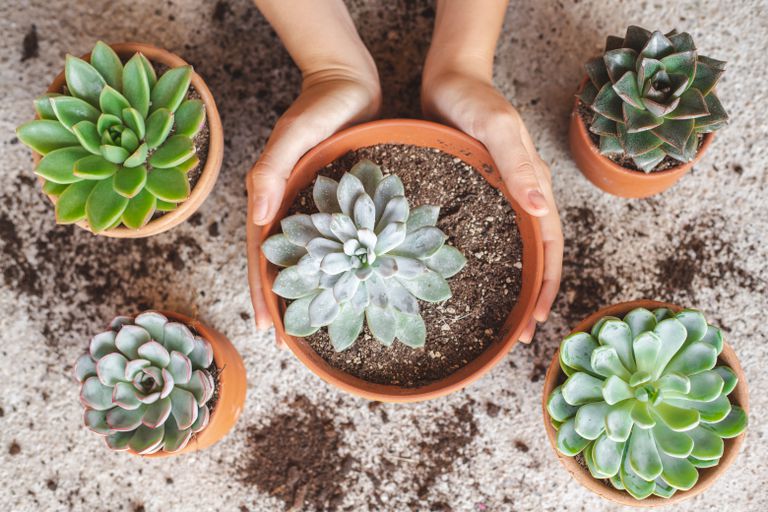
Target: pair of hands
[330, 103]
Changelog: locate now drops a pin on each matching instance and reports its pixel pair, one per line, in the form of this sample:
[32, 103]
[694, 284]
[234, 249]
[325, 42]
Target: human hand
[329, 102]
[473, 105]
[340, 87]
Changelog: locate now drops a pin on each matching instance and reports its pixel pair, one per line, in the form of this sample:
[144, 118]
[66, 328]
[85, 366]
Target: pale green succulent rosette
[118, 145]
[146, 384]
[366, 256]
[652, 96]
[645, 401]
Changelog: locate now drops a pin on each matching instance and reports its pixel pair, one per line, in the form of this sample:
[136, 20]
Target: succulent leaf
[171, 88]
[190, 118]
[70, 207]
[45, 136]
[366, 255]
[108, 64]
[647, 426]
[83, 80]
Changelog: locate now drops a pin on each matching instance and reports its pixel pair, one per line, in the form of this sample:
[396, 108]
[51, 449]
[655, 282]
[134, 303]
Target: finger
[253, 239]
[263, 318]
[279, 343]
[527, 335]
[523, 172]
[266, 179]
[552, 236]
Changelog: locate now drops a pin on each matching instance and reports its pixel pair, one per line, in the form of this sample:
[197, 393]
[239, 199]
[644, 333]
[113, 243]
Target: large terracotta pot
[607, 175]
[232, 387]
[707, 476]
[213, 161]
[421, 133]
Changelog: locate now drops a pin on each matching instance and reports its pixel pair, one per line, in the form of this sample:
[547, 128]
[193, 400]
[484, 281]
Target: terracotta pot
[426, 134]
[232, 386]
[707, 476]
[613, 178]
[213, 161]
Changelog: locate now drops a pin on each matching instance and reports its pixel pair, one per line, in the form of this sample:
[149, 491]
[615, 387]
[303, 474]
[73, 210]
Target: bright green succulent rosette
[366, 256]
[118, 142]
[653, 96]
[646, 402]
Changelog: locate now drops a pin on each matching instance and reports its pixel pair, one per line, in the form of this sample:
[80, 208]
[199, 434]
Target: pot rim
[707, 476]
[214, 159]
[232, 387]
[642, 176]
[440, 136]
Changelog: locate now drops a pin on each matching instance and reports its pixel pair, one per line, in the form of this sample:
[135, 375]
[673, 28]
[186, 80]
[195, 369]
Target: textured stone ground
[703, 244]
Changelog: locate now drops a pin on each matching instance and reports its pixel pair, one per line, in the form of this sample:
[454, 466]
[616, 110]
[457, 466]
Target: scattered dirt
[30, 48]
[66, 278]
[481, 224]
[441, 447]
[701, 255]
[14, 448]
[297, 458]
[586, 286]
[587, 115]
[220, 11]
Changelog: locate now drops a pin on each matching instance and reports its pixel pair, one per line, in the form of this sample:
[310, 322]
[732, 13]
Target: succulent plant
[117, 143]
[146, 384]
[653, 95]
[645, 401]
[366, 254]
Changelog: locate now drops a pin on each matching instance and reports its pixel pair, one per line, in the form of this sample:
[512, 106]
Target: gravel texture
[702, 244]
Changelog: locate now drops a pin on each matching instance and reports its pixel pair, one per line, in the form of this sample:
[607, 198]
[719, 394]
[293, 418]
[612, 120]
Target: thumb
[523, 178]
[266, 179]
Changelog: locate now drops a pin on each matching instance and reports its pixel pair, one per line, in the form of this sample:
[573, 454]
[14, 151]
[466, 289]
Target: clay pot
[609, 176]
[213, 161]
[426, 134]
[707, 476]
[232, 386]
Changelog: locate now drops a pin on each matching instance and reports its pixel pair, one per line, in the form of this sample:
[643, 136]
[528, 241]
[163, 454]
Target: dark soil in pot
[481, 224]
[586, 115]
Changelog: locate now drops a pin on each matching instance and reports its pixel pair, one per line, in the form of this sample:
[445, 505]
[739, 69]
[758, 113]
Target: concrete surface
[701, 244]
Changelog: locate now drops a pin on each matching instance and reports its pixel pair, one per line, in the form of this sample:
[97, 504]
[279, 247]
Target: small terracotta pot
[420, 133]
[707, 476]
[609, 176]
[232, 386]
[213, 161]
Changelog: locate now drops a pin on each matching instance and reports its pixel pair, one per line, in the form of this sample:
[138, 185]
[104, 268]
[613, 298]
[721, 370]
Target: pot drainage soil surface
[479, 222]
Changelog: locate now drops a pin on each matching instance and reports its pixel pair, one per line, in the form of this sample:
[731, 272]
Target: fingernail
[260, 207]
[537, 199]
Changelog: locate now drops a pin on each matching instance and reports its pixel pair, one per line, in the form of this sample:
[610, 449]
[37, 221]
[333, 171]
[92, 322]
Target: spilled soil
[296, 457]
[300, 455]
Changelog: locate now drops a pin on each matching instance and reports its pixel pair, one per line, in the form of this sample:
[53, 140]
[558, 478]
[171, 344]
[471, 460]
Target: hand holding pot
[340, 87]
[457, 90]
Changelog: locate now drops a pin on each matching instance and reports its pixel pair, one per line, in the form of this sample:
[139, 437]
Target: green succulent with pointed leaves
[146, 384]
[118, 143]
[646, 402]
[365, 256]
[652, 96]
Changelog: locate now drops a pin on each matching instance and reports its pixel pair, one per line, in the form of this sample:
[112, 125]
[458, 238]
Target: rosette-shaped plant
[653, 95]
[146, 384]
[365, 255]
[117, 143]
[646, 402]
